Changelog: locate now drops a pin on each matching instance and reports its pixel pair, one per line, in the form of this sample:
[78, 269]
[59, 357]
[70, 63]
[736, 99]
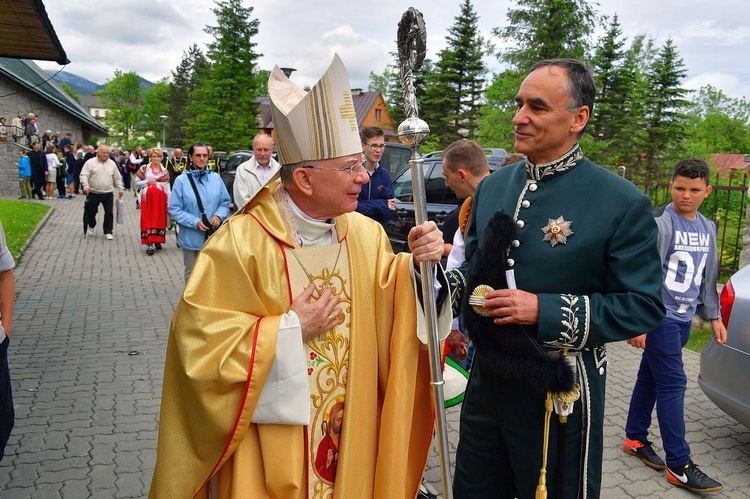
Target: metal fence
[726, 206]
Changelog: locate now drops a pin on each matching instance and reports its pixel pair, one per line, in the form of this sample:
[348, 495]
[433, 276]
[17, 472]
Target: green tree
[716, 124]
[611, 84]
[496, 116]
[388, 83]
[184, 82]
[122, 97]
[454, 91]
[546, 29]
[154, 105]
[262, 77]
[69, 90]
[536, 30]
[665, 108]
[222, 108]
[626, 141]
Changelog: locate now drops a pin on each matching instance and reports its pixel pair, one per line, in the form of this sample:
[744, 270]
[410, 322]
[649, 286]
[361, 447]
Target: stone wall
[15, 98]
[8, 170]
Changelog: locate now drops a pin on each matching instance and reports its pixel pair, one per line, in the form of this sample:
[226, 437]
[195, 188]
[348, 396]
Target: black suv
[440, 199]
[229, 169]
[395, 157]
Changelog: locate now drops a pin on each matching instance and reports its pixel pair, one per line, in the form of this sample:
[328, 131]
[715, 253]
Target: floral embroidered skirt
[153, 215]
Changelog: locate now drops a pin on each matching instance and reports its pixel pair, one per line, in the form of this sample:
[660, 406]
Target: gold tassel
[541, 489]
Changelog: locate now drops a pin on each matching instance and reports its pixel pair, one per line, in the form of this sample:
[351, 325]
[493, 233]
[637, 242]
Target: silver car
[725, 369]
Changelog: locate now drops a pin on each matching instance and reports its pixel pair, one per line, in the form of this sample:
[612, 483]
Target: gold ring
[330, 318]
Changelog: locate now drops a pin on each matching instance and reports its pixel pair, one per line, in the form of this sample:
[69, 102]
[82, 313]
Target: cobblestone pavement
[90, 329]
[720, 445]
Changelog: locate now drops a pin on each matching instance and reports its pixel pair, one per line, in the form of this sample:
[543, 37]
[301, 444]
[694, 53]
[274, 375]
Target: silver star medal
[557, 231]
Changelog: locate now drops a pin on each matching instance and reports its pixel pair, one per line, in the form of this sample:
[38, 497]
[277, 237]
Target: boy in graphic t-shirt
[687, 245]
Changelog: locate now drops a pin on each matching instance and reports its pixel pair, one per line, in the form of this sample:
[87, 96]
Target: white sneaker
[108, 237]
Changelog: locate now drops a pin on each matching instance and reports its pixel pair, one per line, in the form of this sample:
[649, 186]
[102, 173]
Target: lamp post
[163, 129]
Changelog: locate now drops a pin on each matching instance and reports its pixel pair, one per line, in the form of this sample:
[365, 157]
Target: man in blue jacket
[376, 199]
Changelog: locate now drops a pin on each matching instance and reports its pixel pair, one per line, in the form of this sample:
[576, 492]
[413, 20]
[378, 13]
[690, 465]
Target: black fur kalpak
[510, 350]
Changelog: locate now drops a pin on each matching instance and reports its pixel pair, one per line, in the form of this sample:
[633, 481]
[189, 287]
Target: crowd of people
[150, 174]
[24, 129]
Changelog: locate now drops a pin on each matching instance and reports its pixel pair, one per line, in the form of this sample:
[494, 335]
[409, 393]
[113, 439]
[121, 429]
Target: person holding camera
[199, 204]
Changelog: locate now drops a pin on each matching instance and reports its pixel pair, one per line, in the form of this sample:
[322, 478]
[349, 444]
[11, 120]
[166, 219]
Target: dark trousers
[662, 382]
[7, 414]
[499, 453]
[60, 185]
[38, 179]
[125, 178]
[107, 200]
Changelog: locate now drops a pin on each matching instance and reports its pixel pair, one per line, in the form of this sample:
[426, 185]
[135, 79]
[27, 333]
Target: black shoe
[645, 452]
[137, 205]
[424, 492]
[149, 251]
[691, 478]
[158, 246]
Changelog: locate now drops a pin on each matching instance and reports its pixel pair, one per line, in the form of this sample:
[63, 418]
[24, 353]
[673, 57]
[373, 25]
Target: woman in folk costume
[293, 369]
[153, 186]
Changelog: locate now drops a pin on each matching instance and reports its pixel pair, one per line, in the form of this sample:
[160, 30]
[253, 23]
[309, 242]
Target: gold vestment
[221, 345]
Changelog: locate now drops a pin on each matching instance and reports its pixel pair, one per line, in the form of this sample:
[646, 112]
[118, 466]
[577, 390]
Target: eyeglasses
[376, 147]
[353, 170]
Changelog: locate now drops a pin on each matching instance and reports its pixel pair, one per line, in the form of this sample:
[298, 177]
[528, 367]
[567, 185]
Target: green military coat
[586, 246]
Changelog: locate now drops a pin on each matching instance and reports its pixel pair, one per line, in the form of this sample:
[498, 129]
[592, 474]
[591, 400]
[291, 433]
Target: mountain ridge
[82, 85]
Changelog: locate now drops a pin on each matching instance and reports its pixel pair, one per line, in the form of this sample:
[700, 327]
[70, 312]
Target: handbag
[204, 218]
[120, 211]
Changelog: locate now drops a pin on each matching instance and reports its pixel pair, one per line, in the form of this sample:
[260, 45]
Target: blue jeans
[662, 381]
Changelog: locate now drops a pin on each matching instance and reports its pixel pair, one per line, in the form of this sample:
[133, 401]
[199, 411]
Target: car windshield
[236, 160]
[435, 189]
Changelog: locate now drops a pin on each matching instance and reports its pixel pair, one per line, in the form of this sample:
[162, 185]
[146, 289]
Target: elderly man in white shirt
[99, 179]
[254, 173]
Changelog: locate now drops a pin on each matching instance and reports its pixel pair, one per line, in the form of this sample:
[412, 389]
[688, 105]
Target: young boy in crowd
[690, 264]
[24, 174]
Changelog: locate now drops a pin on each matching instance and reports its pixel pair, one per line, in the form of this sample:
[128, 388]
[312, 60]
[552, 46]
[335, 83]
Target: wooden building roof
[27, 33]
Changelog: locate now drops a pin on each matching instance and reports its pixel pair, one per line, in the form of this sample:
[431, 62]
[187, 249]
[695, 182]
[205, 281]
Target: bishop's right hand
[319, 316]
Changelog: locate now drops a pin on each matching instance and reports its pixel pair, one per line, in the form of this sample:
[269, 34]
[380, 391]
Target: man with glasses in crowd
[376, 199]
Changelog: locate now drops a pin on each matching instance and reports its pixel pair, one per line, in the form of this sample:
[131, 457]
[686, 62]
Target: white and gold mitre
[319, 124]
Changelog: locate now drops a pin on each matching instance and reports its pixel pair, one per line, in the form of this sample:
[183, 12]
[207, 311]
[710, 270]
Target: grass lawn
[19, 219]
[699, 336]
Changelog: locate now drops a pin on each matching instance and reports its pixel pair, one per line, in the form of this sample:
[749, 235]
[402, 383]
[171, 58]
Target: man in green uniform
[587, 271]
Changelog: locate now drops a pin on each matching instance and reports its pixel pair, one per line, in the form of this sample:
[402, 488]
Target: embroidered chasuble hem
[327, 362]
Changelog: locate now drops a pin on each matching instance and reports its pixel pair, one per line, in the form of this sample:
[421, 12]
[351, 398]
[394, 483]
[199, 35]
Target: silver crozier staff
[412, 41]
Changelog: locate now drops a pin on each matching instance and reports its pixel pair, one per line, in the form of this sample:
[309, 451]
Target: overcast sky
[150, 36]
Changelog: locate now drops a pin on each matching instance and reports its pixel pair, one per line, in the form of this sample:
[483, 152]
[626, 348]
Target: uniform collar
[561, 165]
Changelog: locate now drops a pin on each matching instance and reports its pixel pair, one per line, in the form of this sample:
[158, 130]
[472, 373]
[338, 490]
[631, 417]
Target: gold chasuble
[371, 414]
